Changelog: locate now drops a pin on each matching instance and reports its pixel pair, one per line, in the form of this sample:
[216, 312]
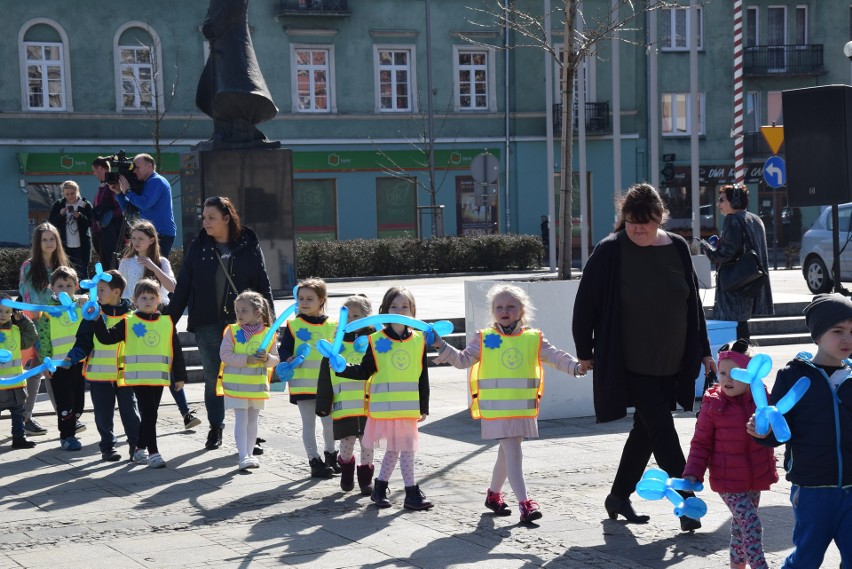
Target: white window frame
[671, 14]
[491, 94]
[755, 15]
[411, 69]
[685, 97]
[330, 79]
[591, 77]
[807, 31]
[65, 66]
[158, 102]
[754, 99]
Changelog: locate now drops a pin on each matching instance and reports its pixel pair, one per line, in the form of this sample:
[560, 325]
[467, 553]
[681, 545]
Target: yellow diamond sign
[774, 136]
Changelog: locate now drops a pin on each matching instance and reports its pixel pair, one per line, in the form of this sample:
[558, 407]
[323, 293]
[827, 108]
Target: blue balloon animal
[332, 351]
[766, 414]
[92, 309]
[442, 327]
[656, 485]
[47, 364]
[5, 356]
[282, 318]
[285, 369]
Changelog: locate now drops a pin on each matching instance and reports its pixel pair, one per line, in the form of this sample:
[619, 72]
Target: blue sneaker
[70, 443]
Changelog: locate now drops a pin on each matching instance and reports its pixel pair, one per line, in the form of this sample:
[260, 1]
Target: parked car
[817, 251]
[683, 225]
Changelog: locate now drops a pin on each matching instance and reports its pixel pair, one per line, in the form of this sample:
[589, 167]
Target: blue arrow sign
[775, 172]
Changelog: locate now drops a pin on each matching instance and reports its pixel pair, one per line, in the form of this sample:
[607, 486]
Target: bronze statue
[232, 90]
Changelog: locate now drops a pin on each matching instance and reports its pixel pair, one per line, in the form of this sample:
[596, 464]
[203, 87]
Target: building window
[396, 207]
[752, 29]
[801, 25]
[677, 116]
[394, 73]
[473, 79]
[312, 79]
[45, 77]
[588, 69]
[751, 120]
[675, 28]
[139, 81]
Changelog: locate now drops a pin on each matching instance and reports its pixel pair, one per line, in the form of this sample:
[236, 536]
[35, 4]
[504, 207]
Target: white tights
[245, 430]
[510, 463]
[347, 450]
[406, 465]
[307, 409]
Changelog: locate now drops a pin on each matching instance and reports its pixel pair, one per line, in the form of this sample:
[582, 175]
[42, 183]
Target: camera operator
[108, 217]
[72, 216]
[154, 200]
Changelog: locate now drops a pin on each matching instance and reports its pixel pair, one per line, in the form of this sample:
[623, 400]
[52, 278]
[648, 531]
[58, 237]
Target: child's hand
[66, 363]
[709, 365]
[290, 359]
[422, 418]
[585, 366]
[81, 300]
[17, 315]
[438, 343]
[750, 429]
[691, 479]
[178, 386]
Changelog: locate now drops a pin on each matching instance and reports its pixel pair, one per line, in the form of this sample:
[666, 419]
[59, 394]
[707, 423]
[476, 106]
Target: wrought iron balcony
[597, 118]
[755, 146]
[314, 8]
[783, 60]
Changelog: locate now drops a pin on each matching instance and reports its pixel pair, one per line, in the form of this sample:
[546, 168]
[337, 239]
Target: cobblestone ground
[70, 509]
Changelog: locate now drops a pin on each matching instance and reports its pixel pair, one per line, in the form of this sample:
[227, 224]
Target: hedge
[375, 257]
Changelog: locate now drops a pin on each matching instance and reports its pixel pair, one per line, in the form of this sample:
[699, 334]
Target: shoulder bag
[744, 275]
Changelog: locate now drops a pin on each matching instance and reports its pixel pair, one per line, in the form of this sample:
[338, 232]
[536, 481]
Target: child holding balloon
[506, 385]
[344, 401]
[245, 370]
[17, 333]
[739, 468]
[310, 325]
[820, 425]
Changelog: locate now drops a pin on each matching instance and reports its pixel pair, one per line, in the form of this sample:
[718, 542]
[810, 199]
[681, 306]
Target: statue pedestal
[259, 182]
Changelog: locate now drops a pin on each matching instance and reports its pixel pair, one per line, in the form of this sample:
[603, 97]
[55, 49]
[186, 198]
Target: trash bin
[719, 332]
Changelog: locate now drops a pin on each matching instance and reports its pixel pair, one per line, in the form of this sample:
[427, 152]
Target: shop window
[315, 208]
[396, 207]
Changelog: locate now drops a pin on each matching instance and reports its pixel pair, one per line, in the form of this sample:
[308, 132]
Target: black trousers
[69, 390]
[653, 433]
[148, 398]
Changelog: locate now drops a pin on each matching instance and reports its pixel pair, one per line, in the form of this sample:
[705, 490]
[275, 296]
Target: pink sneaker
[494, 502]
[529, 511]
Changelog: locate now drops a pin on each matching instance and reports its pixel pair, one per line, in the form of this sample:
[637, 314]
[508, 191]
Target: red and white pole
[739, 139]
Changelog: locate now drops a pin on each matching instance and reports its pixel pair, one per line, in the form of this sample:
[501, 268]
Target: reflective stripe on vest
[349, 400]
[63, 334]
[304, 381]
[11, 340]
[105, 361]
[395, 387]
[250, 382]
[147, 351]
[507, 381]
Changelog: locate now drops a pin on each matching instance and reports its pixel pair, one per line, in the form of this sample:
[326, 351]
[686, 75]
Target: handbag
[744, 275]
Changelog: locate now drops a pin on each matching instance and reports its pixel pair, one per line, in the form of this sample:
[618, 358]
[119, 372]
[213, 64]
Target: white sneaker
[156, 461]
[249, 462]
[140, 456]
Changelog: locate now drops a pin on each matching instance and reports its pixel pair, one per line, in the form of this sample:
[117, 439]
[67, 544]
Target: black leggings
[742, 330]
[148, 398]
[69, 389]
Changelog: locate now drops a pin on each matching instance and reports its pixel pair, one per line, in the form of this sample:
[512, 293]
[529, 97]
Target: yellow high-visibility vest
[507, 382]
[249, 382]
[105, 363]
[148, 351]
[304, 381]
[10, 339]
[349, 399]
[63, 334]
[395, 387]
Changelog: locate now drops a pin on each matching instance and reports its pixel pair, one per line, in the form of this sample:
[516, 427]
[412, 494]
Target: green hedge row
[376, 257]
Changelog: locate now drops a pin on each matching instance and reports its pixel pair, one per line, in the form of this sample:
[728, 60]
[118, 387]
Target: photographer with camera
[154, 199]
[72, 216]
[108, 217]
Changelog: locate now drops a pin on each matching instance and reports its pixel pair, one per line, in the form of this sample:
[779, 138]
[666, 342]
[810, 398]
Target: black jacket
[84, 344]
[819, 452]
[84, 222]
[597, 329]
[196, 280]
[347, 426]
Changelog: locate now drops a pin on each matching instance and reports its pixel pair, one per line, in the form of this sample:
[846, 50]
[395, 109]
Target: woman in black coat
[222, 261]
[72, 216]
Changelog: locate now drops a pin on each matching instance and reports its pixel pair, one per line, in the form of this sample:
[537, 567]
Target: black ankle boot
[365, 479]
[616, 506]
[331, 461]
[319, 468]
[415, 499]
[380, 494]
[347, 474]
[214, 438]
[22, 442]
[689, 524]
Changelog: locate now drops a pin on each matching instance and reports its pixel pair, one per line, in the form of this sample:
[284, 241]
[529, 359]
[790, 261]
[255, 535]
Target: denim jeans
[209, 340]
[180, 400]
[17, 412]
[104, 394]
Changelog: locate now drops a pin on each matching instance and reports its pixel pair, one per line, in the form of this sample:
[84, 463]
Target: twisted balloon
[656, 485]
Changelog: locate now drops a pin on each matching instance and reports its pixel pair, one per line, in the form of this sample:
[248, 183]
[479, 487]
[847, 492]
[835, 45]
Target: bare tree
[618, 16]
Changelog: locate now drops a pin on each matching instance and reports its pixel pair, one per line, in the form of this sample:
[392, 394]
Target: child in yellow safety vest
[343, 399]
[245, 370]
[152, 359]
[56, 338]
[17, 333]
[398, 397]
[506, 384]
[310, 325]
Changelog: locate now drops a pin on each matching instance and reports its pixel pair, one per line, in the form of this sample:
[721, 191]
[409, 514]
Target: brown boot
[347, 474]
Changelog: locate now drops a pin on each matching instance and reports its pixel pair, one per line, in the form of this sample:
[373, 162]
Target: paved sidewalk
[70, 509]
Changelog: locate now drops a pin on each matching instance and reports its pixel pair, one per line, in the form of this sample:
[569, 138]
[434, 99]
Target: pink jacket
[736, 462]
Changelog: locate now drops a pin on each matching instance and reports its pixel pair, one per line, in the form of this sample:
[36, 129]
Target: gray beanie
[826, 310]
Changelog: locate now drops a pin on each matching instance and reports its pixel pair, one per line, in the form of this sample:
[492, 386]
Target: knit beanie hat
[826, 310]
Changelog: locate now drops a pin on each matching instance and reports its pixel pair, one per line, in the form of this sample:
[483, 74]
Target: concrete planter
[703, 271]
[564, 395]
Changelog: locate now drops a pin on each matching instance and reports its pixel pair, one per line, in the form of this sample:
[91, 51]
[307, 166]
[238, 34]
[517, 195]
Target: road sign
[774, 136]
[485, 168]
[775, 172]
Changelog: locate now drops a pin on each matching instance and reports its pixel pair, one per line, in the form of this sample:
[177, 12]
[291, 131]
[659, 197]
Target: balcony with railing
[783, 60]
[755, 146]
[335, 8]
[597, 118]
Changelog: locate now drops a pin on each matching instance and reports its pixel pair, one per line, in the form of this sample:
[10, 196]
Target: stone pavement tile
[491, 560]
[162, 542]
[183, 556]
[90, 501]
[91, 556]
[344, 558]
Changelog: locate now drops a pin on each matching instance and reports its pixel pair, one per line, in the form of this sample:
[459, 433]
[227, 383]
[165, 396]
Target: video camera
[121, 165]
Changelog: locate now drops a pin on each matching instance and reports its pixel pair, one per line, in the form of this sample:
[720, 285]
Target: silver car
[817, 253]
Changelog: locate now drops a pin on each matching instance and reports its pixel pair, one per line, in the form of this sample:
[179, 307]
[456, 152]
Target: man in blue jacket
[154, 201]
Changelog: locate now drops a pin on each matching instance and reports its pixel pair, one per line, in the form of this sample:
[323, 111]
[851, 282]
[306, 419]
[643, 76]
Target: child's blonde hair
[394, 292]
[318, 286]
[259, 303]
[516, 292]
[361, 301]
[149, 286]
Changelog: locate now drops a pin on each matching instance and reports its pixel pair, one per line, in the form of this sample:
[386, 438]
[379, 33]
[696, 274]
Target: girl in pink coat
[739, 467]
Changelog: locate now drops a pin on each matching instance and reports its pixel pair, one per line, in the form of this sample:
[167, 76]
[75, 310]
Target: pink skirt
[397, 434]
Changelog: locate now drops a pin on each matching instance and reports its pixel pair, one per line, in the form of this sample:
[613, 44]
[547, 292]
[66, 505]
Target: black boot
[214, 438]
[347, 474]
[615, 506]
[365, 479]
[415, 499]
[22, 442]
[380, 494]
[331, 461]
[319, 468]
[689, 524]
[258, 449]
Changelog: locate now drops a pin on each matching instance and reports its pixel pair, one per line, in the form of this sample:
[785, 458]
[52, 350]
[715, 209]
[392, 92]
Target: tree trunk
[569, 67]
